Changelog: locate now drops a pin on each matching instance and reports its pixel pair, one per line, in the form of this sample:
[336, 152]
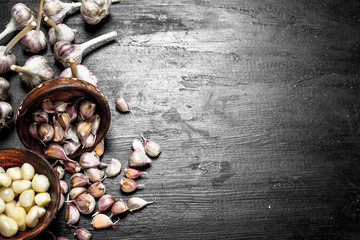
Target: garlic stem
[39, 15]
[52, 24]
[21, 34]
[19, 69]
[74, 70]
[6, 32]
[115, 1]
[75, 5]
[96, 40]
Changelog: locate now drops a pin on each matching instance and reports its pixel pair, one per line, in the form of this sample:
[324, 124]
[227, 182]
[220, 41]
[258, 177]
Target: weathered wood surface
[255, 103]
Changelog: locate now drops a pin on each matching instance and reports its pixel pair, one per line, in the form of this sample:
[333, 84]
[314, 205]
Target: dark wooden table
[255, 103]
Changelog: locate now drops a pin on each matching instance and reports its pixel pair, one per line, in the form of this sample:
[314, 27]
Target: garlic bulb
[59, 32]
[64, 51]
[4, 89]
[21, 16]
[35, 40]
[95, 10]
[6, 113]
[80, 72]
[57, 10]
[7, 58]
[35, 71]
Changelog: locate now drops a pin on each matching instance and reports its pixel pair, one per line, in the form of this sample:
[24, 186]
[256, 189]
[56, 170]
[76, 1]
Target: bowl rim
[58, 191]
[54, 83]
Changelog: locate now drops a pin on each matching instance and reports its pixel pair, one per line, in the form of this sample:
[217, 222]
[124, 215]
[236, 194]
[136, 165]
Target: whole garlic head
[34, 41]
[6, 60]
[61, 33]
[56, 10]
[95, 10]
[83, 74]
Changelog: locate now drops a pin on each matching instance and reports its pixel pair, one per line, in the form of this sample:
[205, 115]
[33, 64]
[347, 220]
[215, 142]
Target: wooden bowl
[17, 157]
[62, 89]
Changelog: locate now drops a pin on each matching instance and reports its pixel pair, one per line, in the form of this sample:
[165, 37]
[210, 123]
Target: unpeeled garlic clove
[96, 189]
[71, 166]
[90, 160]
[64, 120]
[90, 141]
[70, 147]
[128, 185]
[48, 106]
[60, 172]
[72, 110]
[86, 110]
[138, 159]
[95, 123]
[118, 208]
[136, 203]
[40, 116]
[76, 191]
[34, 132]
[54, 150]
[79, 180]
[59, 132]
[72, 215]
[121, 105]
[62, 201]
[83, 130]
[102, 221]
[134, 173]
[85, 203]
[71, 134]
[81, 233]
[151, 148]
[104, 203]
[138, 146]
[63, 186]
[113, 169]
[94, 174]
[60, 106]
[46, 132]
[99, 148]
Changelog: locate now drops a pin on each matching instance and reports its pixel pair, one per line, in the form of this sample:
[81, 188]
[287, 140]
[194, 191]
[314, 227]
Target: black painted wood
[255, 103]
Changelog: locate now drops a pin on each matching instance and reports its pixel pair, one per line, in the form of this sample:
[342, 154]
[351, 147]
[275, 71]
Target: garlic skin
[40, 116]
[83, 74]
[97, 190]
[136, 203]
[128, 185]
[72, 215]
[85, 203]
[77, 191]
[104, 203]
[94, 174]
[114, 168]
[34, 41]
[95, 10]
[70, 147]
[4, 89]
[118, 208]
[100, 148]
[138, 159]
[59, 32]
[79, 180]
[122, 105]
[57, 10]
[151, 148]
[46, 132]
[134, 173]
[101, 221]
[21, 16]
[89, 160]
[35, 71]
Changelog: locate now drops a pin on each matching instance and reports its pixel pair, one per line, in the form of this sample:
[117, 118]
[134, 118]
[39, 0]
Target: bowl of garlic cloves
[63, 118]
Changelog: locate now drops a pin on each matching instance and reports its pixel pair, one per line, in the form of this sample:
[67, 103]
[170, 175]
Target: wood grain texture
[255, 104]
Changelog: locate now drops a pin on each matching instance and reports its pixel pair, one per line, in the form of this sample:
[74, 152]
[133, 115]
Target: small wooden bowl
[60, 89]
[17, 157]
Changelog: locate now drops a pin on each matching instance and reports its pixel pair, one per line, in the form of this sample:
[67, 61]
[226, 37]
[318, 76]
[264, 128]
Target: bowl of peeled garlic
[29, 194]
[63, 118]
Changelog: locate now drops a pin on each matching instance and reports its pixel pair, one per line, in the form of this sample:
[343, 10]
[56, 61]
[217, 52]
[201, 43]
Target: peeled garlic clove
[96, 189]
[152, 149]
[2, 206]
[118, 208]
[83, 130]
[138, 146]
[86, 110]
[114, 168]
[89, 160]
[63, 186]
[94, 174]
[42, 199]
[64, 120]
[134, 173]
[104, 203]
[20, 186]
[40, 183]
[7, 194]
[8, 226]
[41, 210]
[14, 173]
[40, 116]
[79, 180]
[121, 105]
[85, 203]
[5, 180]
[32, 218]
[2, 170]
[95, 123]
[26, 198]
[48, 106]
[102, 221]
[58, 131]
[77, 191]
[71, 166]
[19, 215]
[128, 185]
[100, 148]
[60, 172]
[46, 132]
[27, 171]
[72, 214]
[138, 159]
[136, 203]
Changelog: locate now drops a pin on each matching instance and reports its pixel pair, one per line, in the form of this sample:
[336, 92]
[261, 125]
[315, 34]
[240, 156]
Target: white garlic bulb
[59, 32]
[95, 10]
[56, 10]
[80, 72]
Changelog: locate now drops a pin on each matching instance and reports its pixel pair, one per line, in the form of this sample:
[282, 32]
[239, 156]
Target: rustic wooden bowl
[17, 157]
[63, 89]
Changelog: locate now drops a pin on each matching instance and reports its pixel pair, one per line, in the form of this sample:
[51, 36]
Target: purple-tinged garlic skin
[114, 168]
[134, 173]
[118, 208]
[97, 190]
[76, 191]
[84, 74]
[94, 11]
[64, 33]
[46, 132]
[57, 10]
[122, 105]
[64, 50]
[70, 165]
[101, 221]
[40, 116]
[6, 114]
[89, 160]
[85, 203]
[128, 185]
[34, 41]
[63, 186]
[79, 180]
[62, 201]
[104, 203]
[138, 159]
[6, 60]
[72, 215]
[137, 145]
[136, 203]
[4, 89]
[82, 234]
[21, 16]
[94, 174]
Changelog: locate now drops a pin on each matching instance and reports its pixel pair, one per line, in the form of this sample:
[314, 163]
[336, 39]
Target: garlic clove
[63, 187]
[114, 168]
[85, 203]
[72, 110]
[48, 106]
[81, 233]
[138, 159]
[64, 120]
[101, 221]
[151, 148]
[86, 110]
[96, 189]
[71, 166]
[128, 185]
[95, 123]
[60, 106]
[76, 191]
[94, 174]
[99, 148]
[62, 201]
[134, 173]
[89, 160]
[71, 134]
[121, 105]
[90, 141]
[136, 203]
[104, 203]
[79, 180]
[72, 214]
[83, 130]
[33, 131]
[40, 116]
[118, 208]
[70, 147]
[46, 132]
[138, 146]
[58, 131]
[60, 172]
[54, 150]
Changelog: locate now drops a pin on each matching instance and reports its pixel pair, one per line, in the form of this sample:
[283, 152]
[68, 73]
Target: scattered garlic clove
[71, 166]
[134, 173]
[151, 148]
[90, 160]
[76, 191]
[138, 159]
[62, 201]
[63, 186]
[82, 234]
[128, 185]
[138, 146]
[79, 180]
[118, 208]
[72, 214]
[136, 203]
[99, 148]
[96, 189]
[101, 221]
[104, 203]
[94, 174]
[113, 169]
[60, 172]
[121, 105]
[85, 203]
